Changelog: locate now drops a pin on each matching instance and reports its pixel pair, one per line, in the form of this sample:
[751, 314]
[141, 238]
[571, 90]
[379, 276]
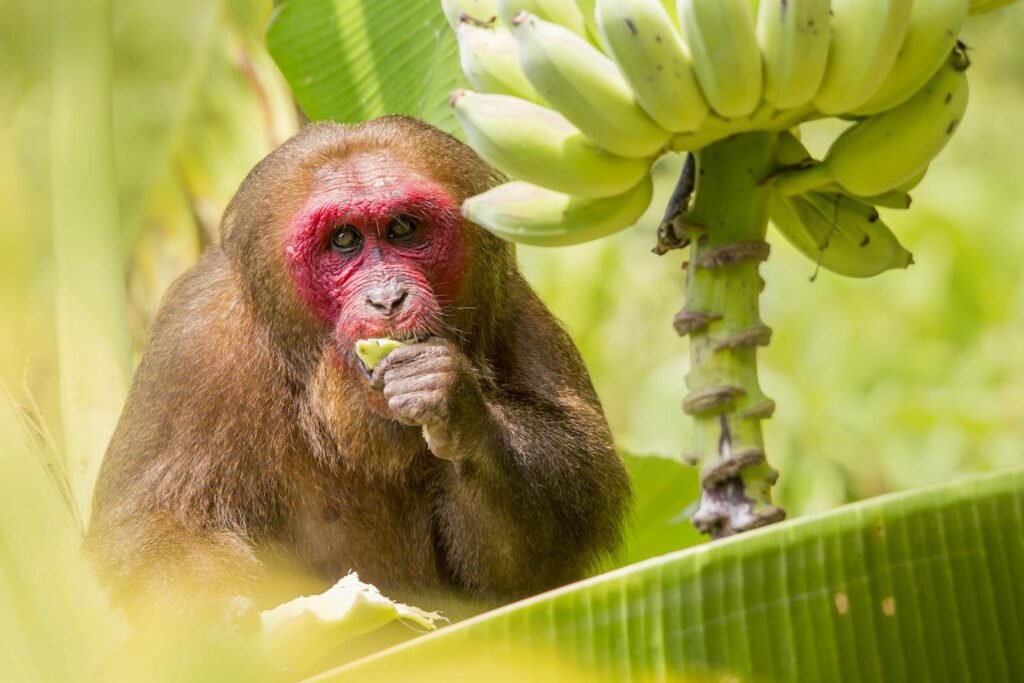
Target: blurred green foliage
[885, 384]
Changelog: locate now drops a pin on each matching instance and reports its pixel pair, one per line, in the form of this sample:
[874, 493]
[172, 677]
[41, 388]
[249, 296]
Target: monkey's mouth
[405, 338]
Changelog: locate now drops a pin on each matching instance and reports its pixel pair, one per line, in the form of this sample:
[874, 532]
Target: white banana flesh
[643, 40]
[722, 44]
[528, 214]
[533, 143]
[490, 60]
[866, 37]
[794, 38]
[585, 86]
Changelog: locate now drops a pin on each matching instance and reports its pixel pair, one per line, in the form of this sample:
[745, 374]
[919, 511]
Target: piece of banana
[886, 151]
[584, 85]
[490, 61]
[643, 41]
[530, 142]
[562, 12]
[931, 35]
[839, 233]
[794, 39]
[866, 37]
[528, 214]
[481, 11]
[372, 351]
[722, 43]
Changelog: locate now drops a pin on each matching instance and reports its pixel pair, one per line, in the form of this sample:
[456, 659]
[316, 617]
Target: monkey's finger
[418, 408]
[434, 381]
[406, 365]
[398, 357]
[422, 366]
[393, 360]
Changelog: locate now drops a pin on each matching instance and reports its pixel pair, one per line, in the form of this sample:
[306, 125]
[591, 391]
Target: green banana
[839, 233]
[586, 87]
[886, 151]
[483, 11]
[931, 34]
[914, 181]
[894, 199]
[722, 44]
[643, 41]
[562, 12]
[982, 6]
[528, 214]
[789, 151]
[372, 351]
[794, 39]
[490, 60]
[530, 142]
[588, 11]
[866, 36]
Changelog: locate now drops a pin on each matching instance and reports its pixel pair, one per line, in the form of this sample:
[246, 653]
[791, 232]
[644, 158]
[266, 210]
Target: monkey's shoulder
[208, 369]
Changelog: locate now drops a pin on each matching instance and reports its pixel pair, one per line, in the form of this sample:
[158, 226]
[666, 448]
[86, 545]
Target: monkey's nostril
[387, 299]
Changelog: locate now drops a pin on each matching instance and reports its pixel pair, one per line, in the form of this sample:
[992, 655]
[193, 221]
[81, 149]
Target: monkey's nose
[388, 298]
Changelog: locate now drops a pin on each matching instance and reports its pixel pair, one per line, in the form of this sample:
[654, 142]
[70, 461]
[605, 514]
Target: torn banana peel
[372, 351]
[296, 634]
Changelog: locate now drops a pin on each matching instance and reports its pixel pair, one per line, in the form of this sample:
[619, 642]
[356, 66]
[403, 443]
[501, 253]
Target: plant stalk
[725, 227]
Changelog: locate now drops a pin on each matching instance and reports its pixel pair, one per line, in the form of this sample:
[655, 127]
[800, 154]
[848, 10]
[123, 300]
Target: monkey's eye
[346, 239]
[402, 227]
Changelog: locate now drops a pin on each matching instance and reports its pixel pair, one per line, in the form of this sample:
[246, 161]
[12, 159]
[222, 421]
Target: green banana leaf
[351, 60]
[918, 586]
[665, 492]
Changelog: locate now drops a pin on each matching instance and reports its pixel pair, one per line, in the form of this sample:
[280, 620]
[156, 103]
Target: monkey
[476, 461]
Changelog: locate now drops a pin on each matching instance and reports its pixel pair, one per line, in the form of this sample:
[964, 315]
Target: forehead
[371, 187]
[372, 174]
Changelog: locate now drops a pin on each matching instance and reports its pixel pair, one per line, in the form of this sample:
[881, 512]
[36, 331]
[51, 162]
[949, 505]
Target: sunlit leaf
[350, 60]
[921, 586]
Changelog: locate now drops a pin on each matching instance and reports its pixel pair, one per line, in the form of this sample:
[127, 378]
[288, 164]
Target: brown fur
[243, 445]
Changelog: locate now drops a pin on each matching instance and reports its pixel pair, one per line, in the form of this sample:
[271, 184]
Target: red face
[376, 251]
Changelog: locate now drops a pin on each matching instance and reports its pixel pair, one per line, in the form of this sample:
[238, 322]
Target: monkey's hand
[432, 384]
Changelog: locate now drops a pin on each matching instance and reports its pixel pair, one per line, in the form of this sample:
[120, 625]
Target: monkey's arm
[534, 492]
[188, 480]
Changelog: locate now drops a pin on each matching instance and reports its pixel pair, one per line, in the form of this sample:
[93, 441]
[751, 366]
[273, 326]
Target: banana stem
[726, 226]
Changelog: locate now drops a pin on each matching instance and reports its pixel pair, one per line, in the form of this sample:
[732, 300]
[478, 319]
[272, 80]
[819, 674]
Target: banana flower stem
[725, 227]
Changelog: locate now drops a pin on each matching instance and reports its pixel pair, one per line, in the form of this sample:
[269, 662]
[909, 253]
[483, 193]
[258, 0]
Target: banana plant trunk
[725, 227]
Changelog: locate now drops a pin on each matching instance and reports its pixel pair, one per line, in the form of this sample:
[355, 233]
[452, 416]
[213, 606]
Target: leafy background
[887, 384]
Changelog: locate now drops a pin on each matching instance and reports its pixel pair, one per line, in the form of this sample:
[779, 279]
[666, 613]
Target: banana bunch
[575, 100]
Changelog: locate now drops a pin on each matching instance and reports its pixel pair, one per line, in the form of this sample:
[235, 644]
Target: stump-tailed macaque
[253, 435]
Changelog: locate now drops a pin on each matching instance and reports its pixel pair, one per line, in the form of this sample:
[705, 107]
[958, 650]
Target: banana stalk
[726, 227]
